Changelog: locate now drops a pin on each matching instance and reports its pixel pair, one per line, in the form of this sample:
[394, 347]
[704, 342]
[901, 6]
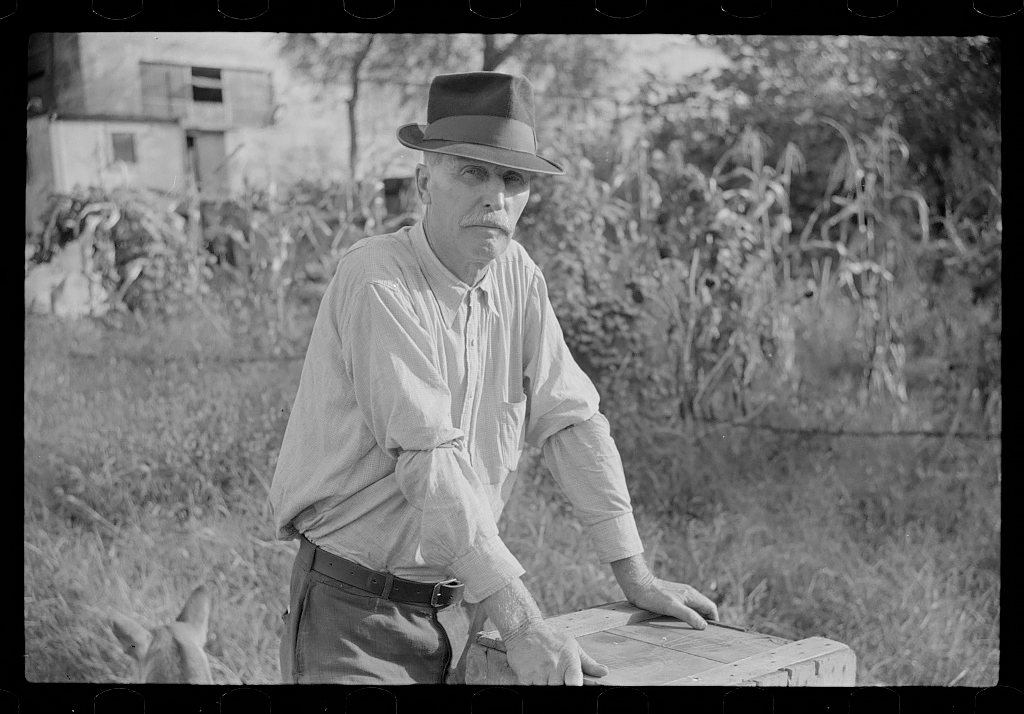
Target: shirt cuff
[616, 538]
[486, 569]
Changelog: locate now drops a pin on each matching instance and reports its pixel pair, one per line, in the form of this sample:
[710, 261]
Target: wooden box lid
[643, 649]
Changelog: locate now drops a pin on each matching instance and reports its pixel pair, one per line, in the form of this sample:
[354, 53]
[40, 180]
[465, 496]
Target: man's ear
[422, 182]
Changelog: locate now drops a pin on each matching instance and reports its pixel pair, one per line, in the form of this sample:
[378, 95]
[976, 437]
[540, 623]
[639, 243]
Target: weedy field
[148, 455]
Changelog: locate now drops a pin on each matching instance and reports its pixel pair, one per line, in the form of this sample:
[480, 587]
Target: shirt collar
[449, 290]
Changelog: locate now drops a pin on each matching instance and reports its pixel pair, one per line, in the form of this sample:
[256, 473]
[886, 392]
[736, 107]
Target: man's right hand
[540, 655]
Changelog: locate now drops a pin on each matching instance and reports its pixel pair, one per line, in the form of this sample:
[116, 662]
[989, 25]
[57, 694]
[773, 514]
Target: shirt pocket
[511, 432]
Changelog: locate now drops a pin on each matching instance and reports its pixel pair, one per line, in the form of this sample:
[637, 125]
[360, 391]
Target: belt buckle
[451, 582]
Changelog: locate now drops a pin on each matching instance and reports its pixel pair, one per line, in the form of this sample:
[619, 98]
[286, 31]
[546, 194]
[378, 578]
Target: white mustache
[491, 222]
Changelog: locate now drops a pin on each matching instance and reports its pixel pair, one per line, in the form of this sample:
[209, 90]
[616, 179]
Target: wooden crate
[642, 649]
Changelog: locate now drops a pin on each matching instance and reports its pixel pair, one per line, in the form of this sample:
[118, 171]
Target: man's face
[473, 208]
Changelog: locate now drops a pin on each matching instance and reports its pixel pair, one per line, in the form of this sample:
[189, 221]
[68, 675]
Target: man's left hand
[677, 600]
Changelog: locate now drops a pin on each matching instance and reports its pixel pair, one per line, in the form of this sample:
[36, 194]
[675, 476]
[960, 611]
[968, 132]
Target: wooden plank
[801, 674]
[779, 678]
[585, 622]
[644, 649]
[836, 670]
[633, 663]
[630, 662]
[763, 667]
[716, 643]
[833, 666]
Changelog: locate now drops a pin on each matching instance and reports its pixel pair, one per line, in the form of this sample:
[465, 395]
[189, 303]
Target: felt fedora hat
[486, 116]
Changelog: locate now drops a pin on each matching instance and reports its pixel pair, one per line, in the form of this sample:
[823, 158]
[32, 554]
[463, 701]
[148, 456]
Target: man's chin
[495, 247]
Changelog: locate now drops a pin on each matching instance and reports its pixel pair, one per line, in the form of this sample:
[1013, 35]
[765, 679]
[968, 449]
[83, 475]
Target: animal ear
[197, 610]
[134, 638]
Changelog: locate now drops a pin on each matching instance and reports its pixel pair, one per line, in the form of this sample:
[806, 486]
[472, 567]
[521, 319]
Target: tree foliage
[705, 260]
[944, 93]
[557, 64]
[334, 62]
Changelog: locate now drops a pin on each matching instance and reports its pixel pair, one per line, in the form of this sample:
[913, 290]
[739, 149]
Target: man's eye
[515, 179]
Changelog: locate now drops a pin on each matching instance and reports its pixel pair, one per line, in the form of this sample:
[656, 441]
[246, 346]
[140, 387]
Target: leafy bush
[899, 198]
[145, 253]
[566, 229]
[689, 293]
[944, 91]
[276, 250]
[666, 297]
[259, 257]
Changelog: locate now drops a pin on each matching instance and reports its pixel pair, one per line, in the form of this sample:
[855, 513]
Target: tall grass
[147, 459]
[141, 480]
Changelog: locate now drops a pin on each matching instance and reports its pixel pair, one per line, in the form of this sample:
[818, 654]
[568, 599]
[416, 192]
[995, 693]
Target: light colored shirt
[417, 397]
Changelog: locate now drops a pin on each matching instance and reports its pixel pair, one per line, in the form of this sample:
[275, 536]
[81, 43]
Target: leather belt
[383, 585]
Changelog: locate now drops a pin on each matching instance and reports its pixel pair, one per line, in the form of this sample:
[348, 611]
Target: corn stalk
[865, 179]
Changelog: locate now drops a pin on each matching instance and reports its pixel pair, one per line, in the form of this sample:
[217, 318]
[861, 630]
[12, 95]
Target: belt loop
[389, 580]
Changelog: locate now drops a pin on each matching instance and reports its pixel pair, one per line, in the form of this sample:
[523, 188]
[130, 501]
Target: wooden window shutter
[165, 90]
[250, 97]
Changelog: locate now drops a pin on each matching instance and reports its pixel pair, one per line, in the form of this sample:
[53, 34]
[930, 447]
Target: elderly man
[435, 357]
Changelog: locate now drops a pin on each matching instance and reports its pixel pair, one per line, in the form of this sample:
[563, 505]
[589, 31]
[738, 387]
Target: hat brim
[411, 135]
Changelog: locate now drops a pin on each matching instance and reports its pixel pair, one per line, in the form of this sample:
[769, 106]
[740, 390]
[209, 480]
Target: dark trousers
[339, 634]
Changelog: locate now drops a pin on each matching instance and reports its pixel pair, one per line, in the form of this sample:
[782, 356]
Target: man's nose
[495, 192]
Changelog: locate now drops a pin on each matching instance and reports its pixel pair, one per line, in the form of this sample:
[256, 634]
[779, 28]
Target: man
[434, 358]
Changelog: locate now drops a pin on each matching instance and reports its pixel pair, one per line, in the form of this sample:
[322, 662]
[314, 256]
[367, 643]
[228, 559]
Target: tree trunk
[489, 63]
[494, 55]
[353, 129]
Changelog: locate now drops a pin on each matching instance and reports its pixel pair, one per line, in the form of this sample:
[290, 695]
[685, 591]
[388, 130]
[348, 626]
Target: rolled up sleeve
[575, 437]
[406, 404]
[560, 394]
[586, 465]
